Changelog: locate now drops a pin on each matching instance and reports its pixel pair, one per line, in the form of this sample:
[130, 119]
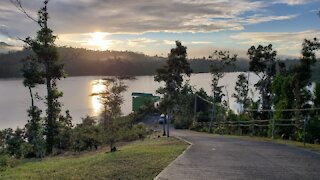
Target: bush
[183, 122]
[131, 133]
[140, 130]
[87, 135]
[8, 162]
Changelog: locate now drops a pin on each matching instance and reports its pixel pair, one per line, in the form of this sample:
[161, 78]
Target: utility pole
[168, 122]
[212, 116]
[164, 125]
[195, 109]
[273, 124]
[239, 133]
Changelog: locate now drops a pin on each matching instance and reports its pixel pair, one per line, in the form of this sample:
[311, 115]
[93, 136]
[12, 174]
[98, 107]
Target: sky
[153, 26]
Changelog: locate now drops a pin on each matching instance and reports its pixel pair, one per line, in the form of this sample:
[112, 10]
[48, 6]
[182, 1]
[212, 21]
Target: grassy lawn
[137, 160]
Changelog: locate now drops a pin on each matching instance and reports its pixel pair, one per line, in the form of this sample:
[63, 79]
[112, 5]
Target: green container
[139, 99]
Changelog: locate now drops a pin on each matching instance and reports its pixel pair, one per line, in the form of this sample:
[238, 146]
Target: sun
[98, 41]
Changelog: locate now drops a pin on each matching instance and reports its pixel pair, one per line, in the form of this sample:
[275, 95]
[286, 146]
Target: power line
[204, 99]
[283, 110]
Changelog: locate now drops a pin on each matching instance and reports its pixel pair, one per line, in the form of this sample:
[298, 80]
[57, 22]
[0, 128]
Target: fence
[297, 123]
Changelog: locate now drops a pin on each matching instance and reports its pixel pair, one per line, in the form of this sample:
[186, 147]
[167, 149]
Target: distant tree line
[83, 62]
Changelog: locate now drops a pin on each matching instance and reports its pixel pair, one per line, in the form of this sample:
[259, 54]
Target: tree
[290, 91]
[184, 114]
[45, 51]
[34, 132]
[283, 98]
[65, 131]
[172, 74]
[32, 73]
[302, 72]
[314, 124]
[87, 135]
[263, 64]
[111, 99]
[241, 91]
[217, 73]
[16, 144]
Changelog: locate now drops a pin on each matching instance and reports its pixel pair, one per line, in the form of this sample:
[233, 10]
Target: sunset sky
[152, 26]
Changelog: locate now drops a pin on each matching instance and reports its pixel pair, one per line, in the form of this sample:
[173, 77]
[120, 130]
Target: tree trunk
[50, 120]
[31, 96]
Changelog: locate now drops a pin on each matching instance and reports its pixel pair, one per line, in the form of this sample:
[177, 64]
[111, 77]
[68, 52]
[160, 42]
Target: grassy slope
[139, 160]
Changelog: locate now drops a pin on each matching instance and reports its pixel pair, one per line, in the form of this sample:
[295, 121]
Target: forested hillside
[84, 62]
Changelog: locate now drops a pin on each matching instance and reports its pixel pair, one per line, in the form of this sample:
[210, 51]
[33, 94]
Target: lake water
[14, 97]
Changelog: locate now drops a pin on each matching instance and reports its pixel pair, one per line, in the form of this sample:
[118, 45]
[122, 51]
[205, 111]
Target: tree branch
[18, 5]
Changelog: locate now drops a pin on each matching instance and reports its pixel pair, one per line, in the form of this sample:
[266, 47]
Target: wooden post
[273, 126]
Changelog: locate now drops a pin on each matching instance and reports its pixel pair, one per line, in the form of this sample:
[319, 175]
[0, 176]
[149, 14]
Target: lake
[15, 99]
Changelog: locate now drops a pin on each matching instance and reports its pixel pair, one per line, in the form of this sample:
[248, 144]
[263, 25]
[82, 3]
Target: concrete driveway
[227, 158]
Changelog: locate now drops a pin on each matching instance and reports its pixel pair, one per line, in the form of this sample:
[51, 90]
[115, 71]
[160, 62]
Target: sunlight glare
[98, 41]
[97, 87]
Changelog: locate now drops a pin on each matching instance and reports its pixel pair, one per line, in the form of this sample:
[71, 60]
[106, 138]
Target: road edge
[190, 145]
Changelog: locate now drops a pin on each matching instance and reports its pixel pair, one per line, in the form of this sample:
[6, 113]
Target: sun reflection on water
[97, 87]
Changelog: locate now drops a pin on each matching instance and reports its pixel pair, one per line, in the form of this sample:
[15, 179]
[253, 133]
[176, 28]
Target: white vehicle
[161, 119]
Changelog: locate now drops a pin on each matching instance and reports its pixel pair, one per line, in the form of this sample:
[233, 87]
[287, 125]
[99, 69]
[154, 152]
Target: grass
[137, 160]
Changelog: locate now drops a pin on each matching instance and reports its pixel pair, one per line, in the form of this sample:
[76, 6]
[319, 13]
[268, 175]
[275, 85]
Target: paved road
[227, 158]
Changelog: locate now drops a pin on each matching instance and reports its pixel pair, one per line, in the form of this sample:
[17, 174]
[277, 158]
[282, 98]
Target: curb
[190, 145]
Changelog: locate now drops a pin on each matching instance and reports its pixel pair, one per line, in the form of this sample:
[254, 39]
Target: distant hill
[4, 44]
[83, 62]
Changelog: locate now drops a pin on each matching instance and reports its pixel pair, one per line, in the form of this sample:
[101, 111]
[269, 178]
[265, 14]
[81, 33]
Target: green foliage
[242, 89]
[127, 130]
[172, 73]
[283, 98]
[263, 63]
[8, 162]
[217, 72]
[34, 132]
[87, 135]
[16, 145]
[44, 67]
[302, 73]
[64, 135]
[185, 108]
[145, 110]
[316, 100]
[111, 99]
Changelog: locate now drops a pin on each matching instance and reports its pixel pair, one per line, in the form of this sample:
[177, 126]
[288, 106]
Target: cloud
[259, 18]
[141, 42]
[202, 42]
[5, 47]
[291, 2]
[139, 16]
[285, 42]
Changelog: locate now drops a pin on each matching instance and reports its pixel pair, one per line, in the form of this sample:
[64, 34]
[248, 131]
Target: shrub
[8, 162]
